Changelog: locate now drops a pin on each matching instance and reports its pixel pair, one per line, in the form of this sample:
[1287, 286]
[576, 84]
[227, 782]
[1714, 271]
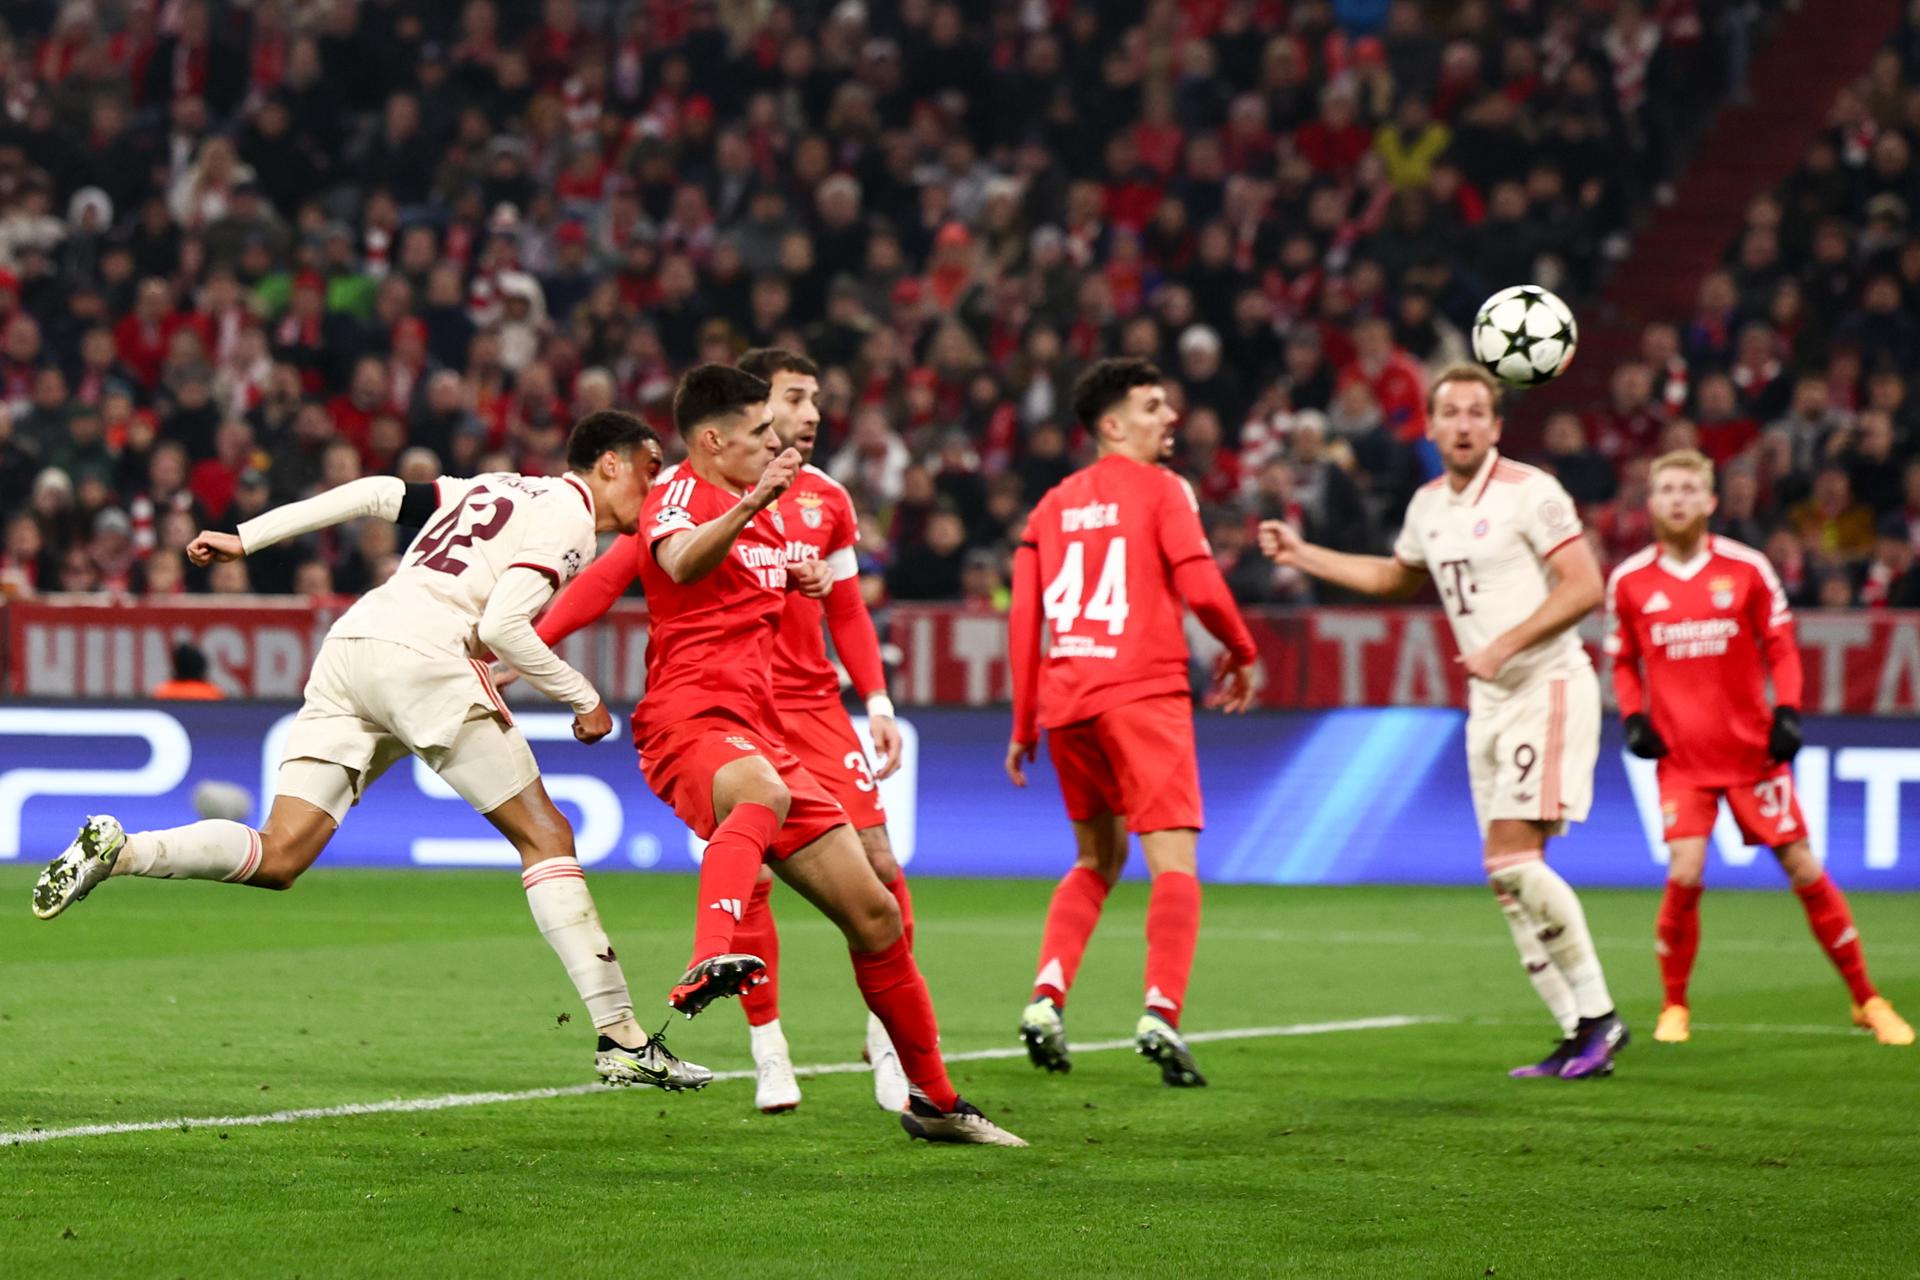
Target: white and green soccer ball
[1525, 336]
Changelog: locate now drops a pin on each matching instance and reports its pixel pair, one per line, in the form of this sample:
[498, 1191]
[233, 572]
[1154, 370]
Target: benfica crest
[813, 512]
[1720, 591]
[779, 525]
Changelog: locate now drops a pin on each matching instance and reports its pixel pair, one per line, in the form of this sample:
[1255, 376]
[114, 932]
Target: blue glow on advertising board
[1363, 796]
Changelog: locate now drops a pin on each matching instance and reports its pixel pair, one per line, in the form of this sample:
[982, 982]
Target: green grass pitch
[1775, 1144]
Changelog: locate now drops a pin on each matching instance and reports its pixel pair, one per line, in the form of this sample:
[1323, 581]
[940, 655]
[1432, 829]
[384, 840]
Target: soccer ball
[1525, 335]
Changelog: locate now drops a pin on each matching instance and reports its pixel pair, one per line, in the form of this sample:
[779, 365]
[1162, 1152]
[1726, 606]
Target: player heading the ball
[1108, 558]
[400, 672]
[1503, 544]
[1697, 623]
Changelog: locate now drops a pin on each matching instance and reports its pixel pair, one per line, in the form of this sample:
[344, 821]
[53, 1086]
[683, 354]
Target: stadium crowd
[250, 250]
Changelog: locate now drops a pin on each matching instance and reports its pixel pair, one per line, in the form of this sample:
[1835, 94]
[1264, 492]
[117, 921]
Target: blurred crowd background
[253, 250]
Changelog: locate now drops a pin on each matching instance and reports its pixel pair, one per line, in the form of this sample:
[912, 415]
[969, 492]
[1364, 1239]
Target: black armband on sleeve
[418, 506]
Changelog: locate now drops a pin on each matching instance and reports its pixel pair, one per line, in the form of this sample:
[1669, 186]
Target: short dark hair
[714, 391]
[764, 362]
[1106, 383]
[189, 663]
[605, 431]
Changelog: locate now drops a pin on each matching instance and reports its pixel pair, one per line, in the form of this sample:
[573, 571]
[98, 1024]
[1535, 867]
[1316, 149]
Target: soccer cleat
[652, 1063]
[80, 866]
[1877, 1016]
[1675, 1025]
[714, 978]
[889, 1079]
[1045, 1036]
[1595, 1041]
[1155, 1038]
[1549, 1066]
[964, 1124]
[775, 1089]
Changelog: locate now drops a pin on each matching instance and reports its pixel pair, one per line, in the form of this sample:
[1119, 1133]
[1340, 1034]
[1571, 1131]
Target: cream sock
[564, 910]
[215, 849]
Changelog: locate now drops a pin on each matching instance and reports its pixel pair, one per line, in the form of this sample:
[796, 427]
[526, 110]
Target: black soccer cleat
[714, 978]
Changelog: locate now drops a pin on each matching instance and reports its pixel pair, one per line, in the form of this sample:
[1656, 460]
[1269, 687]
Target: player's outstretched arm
[591, 593]
[1369, 575]
[1204, 589]
[1023, 656]
[1576, 590]
[387, 497]
[507, 628]
[692, 554]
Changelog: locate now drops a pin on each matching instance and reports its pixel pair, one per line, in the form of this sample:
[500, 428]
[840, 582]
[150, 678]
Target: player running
[400, 672]
[1109, 555]
[713, 558]
[820, 525]
[1708, 621]
[1490, 532]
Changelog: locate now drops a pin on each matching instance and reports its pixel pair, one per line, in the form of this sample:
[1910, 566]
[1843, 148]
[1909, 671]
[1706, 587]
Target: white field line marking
[449, 1101]
[1737, 1028]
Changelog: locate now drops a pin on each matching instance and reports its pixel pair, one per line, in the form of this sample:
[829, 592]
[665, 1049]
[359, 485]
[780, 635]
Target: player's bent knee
[876, 924]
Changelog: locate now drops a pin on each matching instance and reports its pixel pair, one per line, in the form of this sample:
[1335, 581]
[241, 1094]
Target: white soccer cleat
[80, 866]
[964, 1124]
[775, 1088]
[1045, 1035]
[889, 1078]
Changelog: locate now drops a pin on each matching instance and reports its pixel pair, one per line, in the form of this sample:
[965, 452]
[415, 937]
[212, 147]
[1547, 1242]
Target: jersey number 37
[1066, 601]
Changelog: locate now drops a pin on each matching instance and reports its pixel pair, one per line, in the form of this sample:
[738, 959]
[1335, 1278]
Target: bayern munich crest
[1480, 529]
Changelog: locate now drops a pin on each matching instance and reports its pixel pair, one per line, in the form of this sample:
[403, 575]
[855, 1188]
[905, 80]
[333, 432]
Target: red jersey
[820, 525]
[710, 643]
[1709, 633]
[1110, 551]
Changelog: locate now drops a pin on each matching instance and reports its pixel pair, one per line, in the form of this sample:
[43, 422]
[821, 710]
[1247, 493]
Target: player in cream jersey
[401, 672]
[1502, 543]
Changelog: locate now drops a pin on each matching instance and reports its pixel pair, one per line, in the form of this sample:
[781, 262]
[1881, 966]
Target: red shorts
[1767, 810]
[1135, 759]
[680, 761]
[822, 737]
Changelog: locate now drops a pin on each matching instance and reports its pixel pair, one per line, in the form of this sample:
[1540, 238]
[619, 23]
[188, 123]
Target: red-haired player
[1109, 555]
[1707, 620]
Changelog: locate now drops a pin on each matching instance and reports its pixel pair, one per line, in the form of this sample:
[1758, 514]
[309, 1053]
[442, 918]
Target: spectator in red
[1396, 379]
[1631, 422]
[143, 336]
[1334, 143]
[1725, 430]
[214, 480]
[353, 411]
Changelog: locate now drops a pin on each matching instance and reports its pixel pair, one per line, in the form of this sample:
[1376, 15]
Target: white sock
[564, 910]
[767, 1038]
[212, 850]
[1541, 970]
[1554, 910]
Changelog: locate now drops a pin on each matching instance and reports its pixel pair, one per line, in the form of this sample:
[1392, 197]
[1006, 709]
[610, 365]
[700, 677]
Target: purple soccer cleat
[1595, 1042]
[1548, 1067]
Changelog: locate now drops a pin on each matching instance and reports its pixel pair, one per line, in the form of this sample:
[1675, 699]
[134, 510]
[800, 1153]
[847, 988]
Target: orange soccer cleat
[1877, 1016]
[1675, 1025]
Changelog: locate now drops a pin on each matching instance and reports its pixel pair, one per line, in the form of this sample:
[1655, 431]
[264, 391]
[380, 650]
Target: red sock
[902, 896]
[1173, 926]
[757, 937]
[1832, 925]
[1070, 920]
[727, 872]
[897, 994]
[1676, 937]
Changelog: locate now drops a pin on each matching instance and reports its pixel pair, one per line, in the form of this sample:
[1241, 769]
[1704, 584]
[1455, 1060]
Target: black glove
[1783, 741]
[1641, 738]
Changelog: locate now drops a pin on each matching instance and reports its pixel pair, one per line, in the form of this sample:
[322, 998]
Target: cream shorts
[1531, 753]
[370, 702]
